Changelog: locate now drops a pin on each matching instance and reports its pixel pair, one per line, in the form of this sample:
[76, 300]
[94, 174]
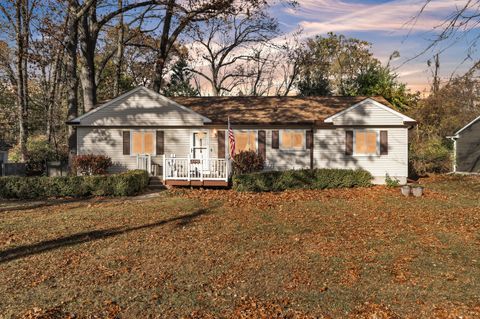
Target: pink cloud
[396, 17]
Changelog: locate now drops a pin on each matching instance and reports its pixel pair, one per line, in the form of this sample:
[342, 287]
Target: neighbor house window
[366, 142]
[143, 142]
[245, 141]
[292, 139]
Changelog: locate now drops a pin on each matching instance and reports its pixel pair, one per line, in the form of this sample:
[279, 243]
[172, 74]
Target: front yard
[355, 253]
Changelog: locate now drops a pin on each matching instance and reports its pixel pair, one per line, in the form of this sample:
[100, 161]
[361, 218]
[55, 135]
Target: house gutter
[454, 139]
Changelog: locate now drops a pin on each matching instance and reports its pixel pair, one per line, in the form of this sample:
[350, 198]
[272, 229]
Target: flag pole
[228, 137]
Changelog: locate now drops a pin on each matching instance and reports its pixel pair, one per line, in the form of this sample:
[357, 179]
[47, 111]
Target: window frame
[255, 132]
[143, 142]
[304, 140]
[377, 151]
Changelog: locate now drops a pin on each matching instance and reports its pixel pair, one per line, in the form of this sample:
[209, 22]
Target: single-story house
[184, 139]
[466, 148]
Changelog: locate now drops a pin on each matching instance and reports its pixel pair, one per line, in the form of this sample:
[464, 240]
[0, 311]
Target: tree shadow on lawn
[84, 237]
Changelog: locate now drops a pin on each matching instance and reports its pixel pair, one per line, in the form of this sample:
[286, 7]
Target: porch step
[156, 182]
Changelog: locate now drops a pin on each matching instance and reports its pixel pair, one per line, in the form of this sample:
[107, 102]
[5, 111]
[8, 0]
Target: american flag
[231, 140]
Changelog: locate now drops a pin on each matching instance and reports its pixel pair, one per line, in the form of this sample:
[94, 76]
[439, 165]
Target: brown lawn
[357, 253]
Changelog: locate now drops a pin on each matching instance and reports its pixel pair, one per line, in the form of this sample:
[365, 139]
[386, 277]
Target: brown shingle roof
[270, 110]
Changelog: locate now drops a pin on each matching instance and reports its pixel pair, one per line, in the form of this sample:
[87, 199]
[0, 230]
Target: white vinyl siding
[109, 142]
[280, 159]
[142, 108]
[368, 114]
[329, 152]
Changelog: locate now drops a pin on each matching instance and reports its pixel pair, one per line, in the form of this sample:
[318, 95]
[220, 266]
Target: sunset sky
[389, 25]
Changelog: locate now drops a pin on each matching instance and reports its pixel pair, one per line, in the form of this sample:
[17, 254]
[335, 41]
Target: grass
[206, 254]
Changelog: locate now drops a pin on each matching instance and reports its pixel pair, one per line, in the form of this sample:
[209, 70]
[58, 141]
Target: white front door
[200, 145]
[200, 150]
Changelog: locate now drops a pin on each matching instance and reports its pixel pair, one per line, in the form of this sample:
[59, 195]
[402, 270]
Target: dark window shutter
[383, 142]
[275, 139]
[160, 149]
[126, 142]
[221, 144]
[309, 139]
[262, 150]
[348, 142]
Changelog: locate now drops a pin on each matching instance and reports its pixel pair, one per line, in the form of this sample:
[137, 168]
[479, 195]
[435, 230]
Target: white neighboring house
[184, 139]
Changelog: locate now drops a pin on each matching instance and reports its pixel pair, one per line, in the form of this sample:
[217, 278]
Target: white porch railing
[144, 162]
[188, 169]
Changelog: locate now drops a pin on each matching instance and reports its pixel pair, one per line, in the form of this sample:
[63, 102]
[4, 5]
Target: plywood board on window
[137, 142]
[148, 143]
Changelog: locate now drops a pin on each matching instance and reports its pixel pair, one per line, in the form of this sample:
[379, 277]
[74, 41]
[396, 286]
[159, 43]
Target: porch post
[164, 168]
[188, 168]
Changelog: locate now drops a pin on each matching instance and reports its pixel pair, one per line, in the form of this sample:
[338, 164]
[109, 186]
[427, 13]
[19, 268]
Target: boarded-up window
[148, 145]
[245, 141]
[292, 139]
[366, 142]
[142, 142]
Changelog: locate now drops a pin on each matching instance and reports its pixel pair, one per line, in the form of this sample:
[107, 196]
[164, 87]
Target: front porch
[196, 172]
[187, 171]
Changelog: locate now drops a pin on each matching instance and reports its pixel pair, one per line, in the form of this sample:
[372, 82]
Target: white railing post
[164, 168]
[149, 163]
[201, 169]
[188, 168]
[227, 162]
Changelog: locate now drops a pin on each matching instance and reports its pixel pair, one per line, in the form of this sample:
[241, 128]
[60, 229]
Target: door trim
[192, 138]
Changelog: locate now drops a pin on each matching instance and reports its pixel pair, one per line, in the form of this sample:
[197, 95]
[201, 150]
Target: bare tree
[18, 16]
[224, 44]
[90, 26]
[288, 67]
[178, 16]
[260, 73]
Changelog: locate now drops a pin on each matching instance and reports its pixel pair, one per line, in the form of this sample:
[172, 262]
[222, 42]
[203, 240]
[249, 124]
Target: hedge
[125, 184]
[274, 181]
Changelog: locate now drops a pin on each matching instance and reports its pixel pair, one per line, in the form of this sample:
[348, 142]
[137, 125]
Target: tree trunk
[89, 86]
[119, 54]
[21, 75]
[88, 40]
[54, 83]
[163, 53]
[71, 45]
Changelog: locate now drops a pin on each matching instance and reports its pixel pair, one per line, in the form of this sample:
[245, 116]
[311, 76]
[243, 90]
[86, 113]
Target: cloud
[394, 17]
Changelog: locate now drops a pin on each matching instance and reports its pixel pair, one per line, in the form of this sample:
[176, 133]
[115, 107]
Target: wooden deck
[208, 183]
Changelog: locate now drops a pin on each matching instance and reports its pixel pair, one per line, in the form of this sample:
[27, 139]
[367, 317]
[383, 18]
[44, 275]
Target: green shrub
[125, 184]
[391, 182]
[301, 179]
[247, 162]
